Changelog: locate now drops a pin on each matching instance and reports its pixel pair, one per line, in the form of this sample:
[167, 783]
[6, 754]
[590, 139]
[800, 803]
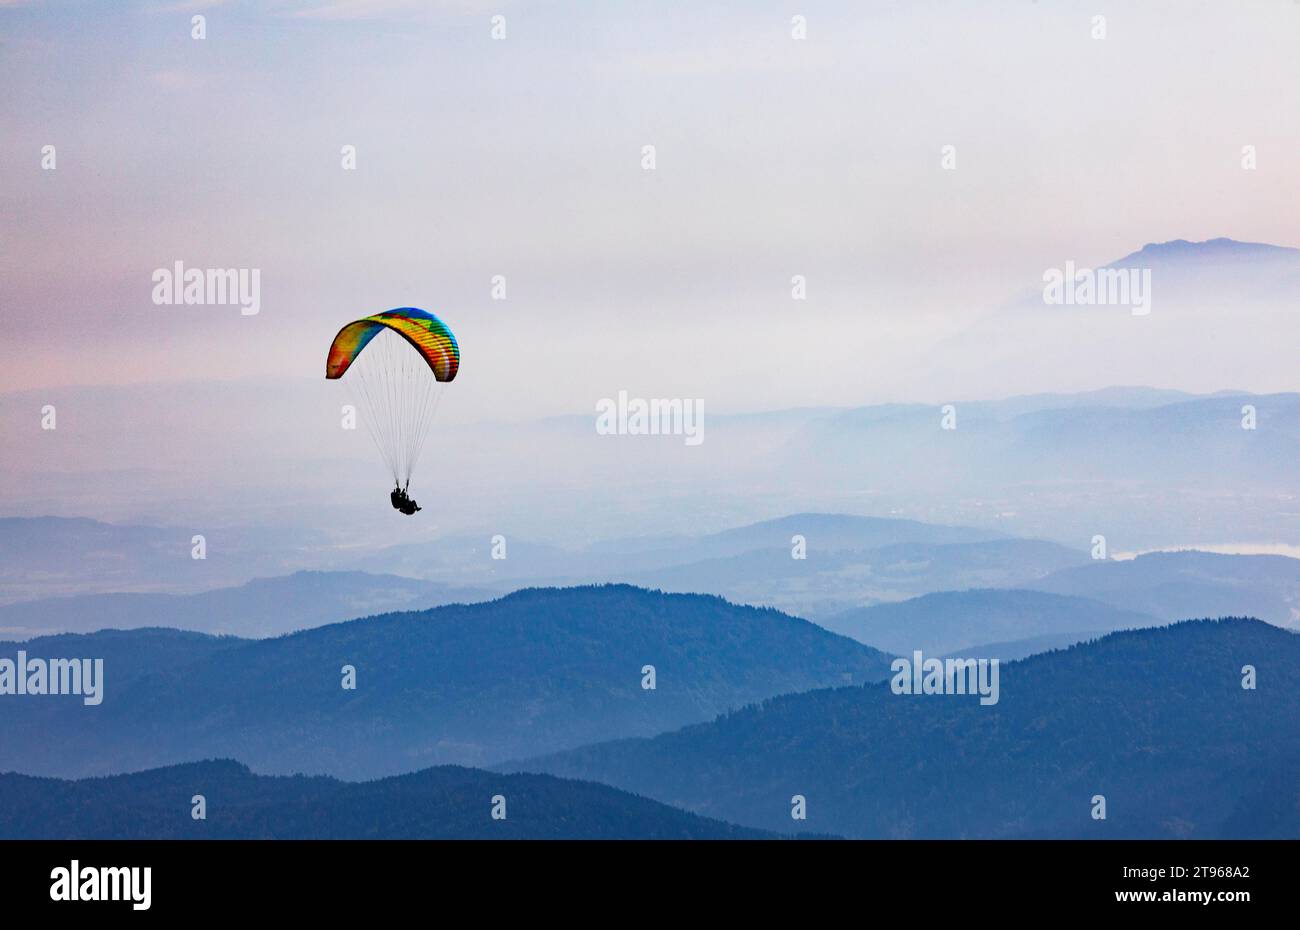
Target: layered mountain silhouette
[1155, 721]
[41, 556]
[447, 802]
[851, 563]
[829, 580]
[262, 607]
[1011, 650]
[848, 561]
[1066, 472]
[951, 621]
[534, 672]
[1176, 585]
[647, 558]
[1060, 466]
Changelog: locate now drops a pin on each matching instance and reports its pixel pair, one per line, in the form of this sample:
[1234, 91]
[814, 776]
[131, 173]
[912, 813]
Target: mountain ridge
[446, 802]
[461, 683]
[1125, 716]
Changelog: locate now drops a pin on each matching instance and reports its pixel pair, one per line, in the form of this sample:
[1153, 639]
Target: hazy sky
[522, 158]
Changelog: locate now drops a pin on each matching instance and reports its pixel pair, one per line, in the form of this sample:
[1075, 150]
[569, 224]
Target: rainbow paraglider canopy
[428, 334]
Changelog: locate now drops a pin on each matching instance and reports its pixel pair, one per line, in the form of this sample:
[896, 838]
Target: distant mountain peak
[1211, 249]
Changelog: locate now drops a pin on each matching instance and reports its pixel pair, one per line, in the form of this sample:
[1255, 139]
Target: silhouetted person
[402, 501]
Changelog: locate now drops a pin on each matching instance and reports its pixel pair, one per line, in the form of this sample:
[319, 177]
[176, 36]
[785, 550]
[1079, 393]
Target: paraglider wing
[428, 334]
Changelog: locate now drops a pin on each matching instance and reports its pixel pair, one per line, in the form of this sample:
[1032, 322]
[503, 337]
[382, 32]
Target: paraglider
[398, 382]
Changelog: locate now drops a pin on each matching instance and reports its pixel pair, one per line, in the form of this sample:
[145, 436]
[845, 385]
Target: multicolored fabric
[428, 334]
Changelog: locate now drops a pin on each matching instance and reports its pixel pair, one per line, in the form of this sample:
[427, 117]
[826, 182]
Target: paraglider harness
[402, 501]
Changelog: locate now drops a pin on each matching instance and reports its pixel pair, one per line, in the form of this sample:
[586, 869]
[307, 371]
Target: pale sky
[522, 158]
